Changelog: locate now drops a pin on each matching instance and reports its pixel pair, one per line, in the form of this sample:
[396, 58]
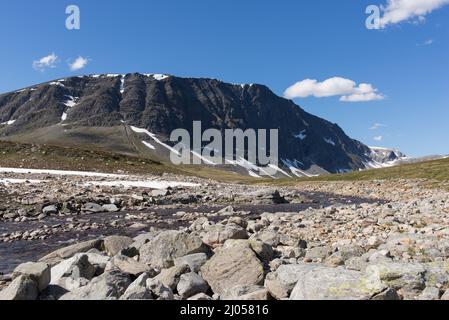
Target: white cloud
[378, 126]
[378, 138]
[78, 64]
[428, 42]
[397, 11]
[348, 90]
[46, 62]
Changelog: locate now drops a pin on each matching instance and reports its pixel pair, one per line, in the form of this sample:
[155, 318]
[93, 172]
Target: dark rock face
[164, 103]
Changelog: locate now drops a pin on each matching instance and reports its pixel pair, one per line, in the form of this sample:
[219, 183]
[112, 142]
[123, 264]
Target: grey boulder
[39, 272]
[21, 288]
[161, 251]
[191, 284]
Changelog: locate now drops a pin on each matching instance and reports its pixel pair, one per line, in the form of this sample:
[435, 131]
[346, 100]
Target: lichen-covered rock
[281, 282]
[234, 264]
[407, 278]
[160, 251]
[323, 283]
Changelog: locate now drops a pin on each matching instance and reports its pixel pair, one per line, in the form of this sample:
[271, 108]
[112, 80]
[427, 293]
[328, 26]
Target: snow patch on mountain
[384, 158]
[294, 166]
[122, 84]
[71, 101]
[155, 138]
[157, 76]
[149, 145]
[57, 83]
[8, 123]
[302, 135]
[330, 141]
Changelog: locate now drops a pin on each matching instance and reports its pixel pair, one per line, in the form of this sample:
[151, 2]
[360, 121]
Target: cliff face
[162, 103]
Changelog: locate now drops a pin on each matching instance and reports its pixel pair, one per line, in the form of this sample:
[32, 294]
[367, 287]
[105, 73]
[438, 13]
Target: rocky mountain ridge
[102, 110]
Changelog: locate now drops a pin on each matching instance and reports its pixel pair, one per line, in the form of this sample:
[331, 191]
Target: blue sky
[276, 43]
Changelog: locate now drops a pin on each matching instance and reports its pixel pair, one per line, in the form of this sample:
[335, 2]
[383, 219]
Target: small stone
[92, 207]
[48, 210]
[110, 208]
[318, 254]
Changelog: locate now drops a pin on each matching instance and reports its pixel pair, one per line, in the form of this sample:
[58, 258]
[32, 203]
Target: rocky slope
[97, 112]
[390, 242]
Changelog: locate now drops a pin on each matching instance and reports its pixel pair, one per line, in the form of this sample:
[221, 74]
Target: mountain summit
[103, 111]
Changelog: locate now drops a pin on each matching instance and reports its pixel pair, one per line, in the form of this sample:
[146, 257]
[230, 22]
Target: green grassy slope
[436, 171]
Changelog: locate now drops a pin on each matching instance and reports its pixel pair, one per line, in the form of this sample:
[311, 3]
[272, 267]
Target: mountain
[135, 114]
[384, 157]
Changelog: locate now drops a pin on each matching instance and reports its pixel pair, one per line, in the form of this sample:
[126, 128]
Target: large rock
[68, 252]
[323, 283]
[409, 279]
[235, 264]
[39, 272]
[21, 288]
[281, 282]
[263, 250]
[138, 290]
[129, 265]
[141, 239]
[109, 286]
[194, 261]
[191, 284]
[219, 234]
[170, 277]
[76, 267]
[269, 237]
[159, 290]
[160, 251]
[115, 244]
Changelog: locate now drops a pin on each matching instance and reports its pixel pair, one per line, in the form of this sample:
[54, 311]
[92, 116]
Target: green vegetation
[436, 172]
[31, 156]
